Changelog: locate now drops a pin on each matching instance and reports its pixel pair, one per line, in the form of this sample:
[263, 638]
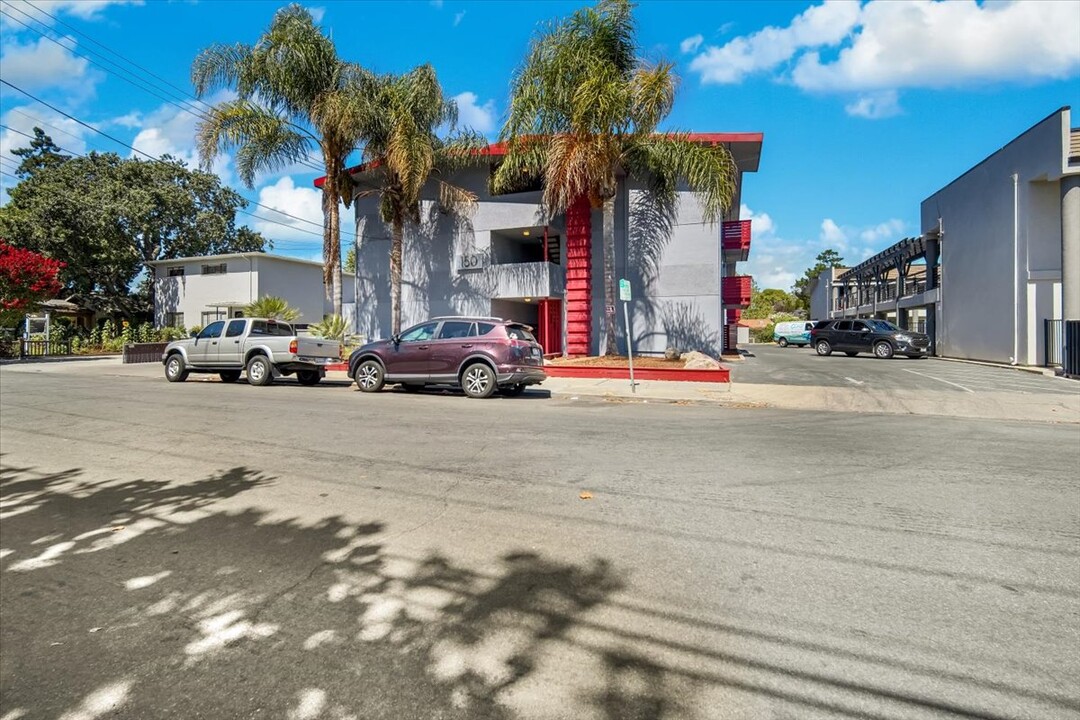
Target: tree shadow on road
[145, 599]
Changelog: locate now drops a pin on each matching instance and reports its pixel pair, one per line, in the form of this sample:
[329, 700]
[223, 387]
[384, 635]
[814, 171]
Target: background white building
[198, 290]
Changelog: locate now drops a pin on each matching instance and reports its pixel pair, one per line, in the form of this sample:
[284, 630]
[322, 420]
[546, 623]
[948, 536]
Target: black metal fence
[143, 352]
[1071, 350]
[22, 349]
[1053, 336]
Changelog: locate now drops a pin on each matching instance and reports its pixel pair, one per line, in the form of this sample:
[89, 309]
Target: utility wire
[179, 94]
[151, 157]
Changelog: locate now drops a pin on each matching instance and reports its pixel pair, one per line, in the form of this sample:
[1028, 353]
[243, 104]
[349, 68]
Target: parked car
[479, 354]
[795, 332]
[260, 347]
[868, 335]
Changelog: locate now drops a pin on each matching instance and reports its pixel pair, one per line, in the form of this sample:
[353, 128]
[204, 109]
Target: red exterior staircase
[578, 277]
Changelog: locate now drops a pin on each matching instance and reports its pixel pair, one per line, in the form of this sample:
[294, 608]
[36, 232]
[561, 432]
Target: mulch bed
[619, 361]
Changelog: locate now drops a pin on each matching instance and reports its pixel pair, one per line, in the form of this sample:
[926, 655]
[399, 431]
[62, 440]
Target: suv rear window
[485, 328]
[519, 332]
[822, 324]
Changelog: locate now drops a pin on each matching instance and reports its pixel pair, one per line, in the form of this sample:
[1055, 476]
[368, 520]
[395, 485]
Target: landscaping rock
[672, 353]
[699, 361]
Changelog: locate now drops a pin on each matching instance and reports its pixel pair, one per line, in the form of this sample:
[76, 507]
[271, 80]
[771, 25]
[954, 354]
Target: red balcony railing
[735, 290]
[733, 315]
[735, 237]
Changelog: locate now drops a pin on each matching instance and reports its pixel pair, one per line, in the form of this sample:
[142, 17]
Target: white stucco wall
[978, 212]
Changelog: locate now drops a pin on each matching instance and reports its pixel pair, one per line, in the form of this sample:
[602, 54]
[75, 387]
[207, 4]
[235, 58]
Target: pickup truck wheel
[369, 376]
[308, 377]
[512, 390]
[229, 376]
[478, 381]
[175, 370]
[260, 371]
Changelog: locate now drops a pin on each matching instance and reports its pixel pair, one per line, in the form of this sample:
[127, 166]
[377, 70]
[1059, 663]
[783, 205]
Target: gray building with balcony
[997, 266]
[504, 258]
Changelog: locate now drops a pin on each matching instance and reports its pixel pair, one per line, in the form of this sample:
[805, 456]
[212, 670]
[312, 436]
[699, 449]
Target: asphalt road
[771, 364]
[203, 550]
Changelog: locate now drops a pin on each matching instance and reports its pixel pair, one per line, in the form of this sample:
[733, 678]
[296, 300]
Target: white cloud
[479, 117]
[168, 131]
[875, 106]
[826, 24]
[885, 46]
[317, 13]
[437, 4]
[20, 122]
[458, 17]
[760, 223]
[43, 64]
[888, 230]
[298, 201]
[133, 119]
[83, 9]
[944, 44]
[691, 44]
[833, 234]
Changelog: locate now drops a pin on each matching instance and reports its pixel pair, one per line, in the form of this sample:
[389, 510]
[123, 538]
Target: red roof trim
[500, 149]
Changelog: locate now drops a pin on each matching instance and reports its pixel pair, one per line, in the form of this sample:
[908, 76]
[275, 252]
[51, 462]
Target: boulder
[699, 361]
[672, 353]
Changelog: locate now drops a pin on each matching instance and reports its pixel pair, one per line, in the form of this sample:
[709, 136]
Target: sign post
[624, 295]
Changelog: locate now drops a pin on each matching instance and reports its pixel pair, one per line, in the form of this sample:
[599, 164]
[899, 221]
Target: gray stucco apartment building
[505, 259]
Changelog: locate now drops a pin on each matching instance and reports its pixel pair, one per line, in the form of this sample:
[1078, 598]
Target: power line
[179, 94]
[151, 157]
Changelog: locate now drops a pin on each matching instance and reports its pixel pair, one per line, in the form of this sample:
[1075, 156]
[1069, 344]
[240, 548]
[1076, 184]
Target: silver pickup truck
[262, 348]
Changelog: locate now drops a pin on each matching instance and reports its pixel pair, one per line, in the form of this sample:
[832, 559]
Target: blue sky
[866, 108]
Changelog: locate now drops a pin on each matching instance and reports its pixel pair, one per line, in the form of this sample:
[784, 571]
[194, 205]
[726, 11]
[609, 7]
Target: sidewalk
[992, 406]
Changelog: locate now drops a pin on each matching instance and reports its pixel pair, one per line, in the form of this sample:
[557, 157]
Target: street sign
[624, 290]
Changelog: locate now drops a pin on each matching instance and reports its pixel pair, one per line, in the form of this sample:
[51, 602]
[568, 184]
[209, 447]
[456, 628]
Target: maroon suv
[481, 355]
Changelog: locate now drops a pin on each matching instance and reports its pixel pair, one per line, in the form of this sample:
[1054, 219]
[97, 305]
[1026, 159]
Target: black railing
[1053, 335]
[1070, 354]
[22, 349]
[143, 352]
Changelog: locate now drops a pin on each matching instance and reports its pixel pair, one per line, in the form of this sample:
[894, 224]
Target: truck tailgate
[317, 348]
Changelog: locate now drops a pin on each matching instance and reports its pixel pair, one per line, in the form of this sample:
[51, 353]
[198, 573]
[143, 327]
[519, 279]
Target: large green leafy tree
[406, 152]
[585, 110]
[295, 96]
[107, 217]
[826, 260]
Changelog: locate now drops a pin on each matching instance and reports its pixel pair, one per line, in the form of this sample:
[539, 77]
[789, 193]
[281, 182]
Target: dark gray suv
[868, 335]
[478, 354]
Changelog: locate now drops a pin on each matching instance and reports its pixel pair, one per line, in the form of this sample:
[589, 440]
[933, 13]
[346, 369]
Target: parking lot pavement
[769, 364]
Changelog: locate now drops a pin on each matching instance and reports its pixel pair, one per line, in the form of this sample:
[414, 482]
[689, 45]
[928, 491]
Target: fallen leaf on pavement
[585, 495]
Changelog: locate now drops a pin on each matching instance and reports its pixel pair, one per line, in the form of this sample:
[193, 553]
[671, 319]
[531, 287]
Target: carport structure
[896, 281]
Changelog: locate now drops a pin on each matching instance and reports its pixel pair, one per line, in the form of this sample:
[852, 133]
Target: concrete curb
[1048, 372]
[640, 400]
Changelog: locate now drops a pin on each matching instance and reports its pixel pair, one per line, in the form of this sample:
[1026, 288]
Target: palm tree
[272, 308]
[295, 94]
[404, 152]
[584, 110]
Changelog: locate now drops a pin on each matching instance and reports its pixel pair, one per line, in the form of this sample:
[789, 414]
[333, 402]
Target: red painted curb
[344, 367]
[571, 371]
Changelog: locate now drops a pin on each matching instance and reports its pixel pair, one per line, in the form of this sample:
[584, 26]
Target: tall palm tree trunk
[611, 341]
[397, 234]
[331, 244]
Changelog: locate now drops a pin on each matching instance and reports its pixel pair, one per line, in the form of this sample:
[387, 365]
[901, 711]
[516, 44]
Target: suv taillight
[292, 347]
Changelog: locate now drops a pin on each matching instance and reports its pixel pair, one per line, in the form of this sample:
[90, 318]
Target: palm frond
[263, 140]
[709, 170]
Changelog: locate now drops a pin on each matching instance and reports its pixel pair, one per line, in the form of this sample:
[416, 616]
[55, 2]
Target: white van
[795, 332]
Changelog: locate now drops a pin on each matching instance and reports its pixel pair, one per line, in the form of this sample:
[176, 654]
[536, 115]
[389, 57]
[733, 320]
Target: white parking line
[853, 380]
[915, 372]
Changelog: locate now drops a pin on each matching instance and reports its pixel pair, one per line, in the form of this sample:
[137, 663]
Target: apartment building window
[174, 319]
[176, 271]
[213, 269]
